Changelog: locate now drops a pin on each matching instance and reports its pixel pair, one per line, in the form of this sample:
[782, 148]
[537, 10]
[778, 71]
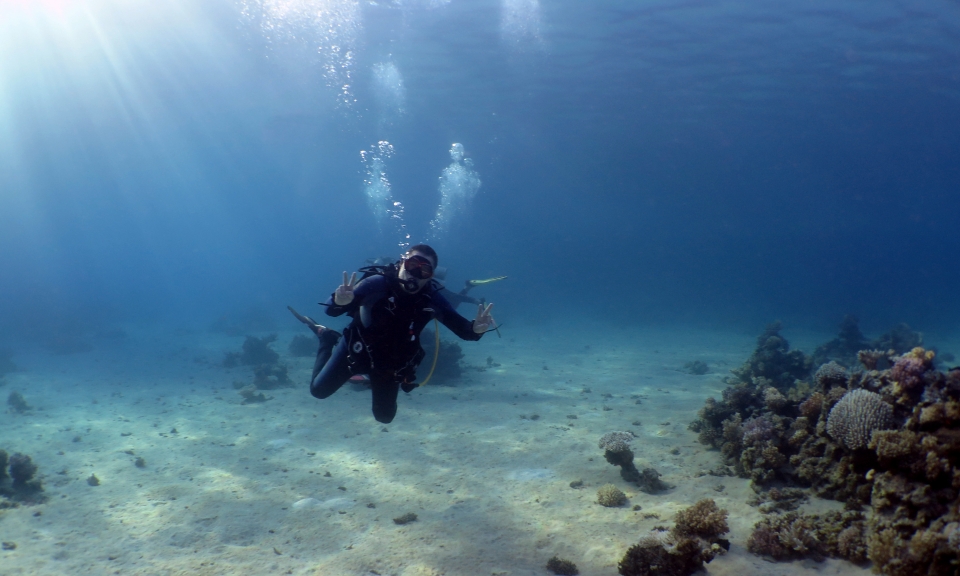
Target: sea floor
[297, 485]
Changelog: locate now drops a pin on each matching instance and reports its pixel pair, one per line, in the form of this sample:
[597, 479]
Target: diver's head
[417, 267]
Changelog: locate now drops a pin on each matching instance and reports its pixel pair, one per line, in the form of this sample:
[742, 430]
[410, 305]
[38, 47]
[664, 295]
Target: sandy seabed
[297, 485]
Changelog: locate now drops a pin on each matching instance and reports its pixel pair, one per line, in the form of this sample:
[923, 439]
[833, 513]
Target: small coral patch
[610, 496]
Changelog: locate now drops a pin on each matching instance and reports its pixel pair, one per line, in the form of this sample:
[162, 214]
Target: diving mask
[418, 267]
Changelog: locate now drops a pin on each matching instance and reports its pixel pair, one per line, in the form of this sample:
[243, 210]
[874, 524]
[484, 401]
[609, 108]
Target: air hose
[436, 352]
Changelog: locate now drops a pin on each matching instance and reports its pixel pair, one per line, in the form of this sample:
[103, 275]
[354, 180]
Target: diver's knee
[329, 337]
[384, 417]
[319, 392]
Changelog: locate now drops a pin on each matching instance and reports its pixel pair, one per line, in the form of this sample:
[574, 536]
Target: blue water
[721, 163]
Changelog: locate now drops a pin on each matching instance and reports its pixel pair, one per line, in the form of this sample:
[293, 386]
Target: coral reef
[562, 567]
[617, 442]
[811, 406]
[694, 540]
[610, 496]
[405, 518]
[884, 438]
[251, 396]
[761, 458]
[449, 368]
[898, 340]
[774, 400]
[843, 349]
[755, 448]
[651, 483]
[271, 377]
[756, 387]
[616, 447]
[19, 483]
[856, 415]
[257, 351]
[663, 555]
[704, 519]
[829, 376]
[303, 346]
[793, 535]
[874, 359]
[22, 470]
[449, 361]
[18, 403]
[778, 499]
[908, 371]
[848, 347]
[774, 361]
[696, 367]
[268, 373]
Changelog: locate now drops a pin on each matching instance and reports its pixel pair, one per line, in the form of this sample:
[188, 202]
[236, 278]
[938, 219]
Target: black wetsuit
[457, 298]
[383, 340]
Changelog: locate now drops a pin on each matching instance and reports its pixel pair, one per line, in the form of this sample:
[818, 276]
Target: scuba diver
[389, 306]
[440, 273]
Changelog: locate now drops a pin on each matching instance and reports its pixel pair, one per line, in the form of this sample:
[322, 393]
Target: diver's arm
[358, 291]
[457, 298]
[484, 322]
[333, 309]
[457, 324]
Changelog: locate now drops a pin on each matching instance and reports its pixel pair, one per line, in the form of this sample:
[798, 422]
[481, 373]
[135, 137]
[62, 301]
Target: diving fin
[314, 326]
[473, 283]
[300, 317]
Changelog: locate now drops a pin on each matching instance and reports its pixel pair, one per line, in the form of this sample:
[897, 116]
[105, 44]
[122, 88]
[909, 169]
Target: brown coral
[932, 415]
[682, 551]
[811, 406]
[893, 442]
[773, 399]
[785, 537]
[829, 375]
[610, 496]
[661, 554]
[871, 358]
[891, 445]
[616, 447]
[616, 441]
[562, 567]
[851, 543]
[856, 416]
[909, 369]
[794, 535]
[704, 519]
[929, 552]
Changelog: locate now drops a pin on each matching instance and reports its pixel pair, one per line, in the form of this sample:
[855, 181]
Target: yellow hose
[436, 353]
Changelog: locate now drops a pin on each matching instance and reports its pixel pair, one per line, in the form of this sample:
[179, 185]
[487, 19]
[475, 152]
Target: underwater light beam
[389, 91]
[333, 26]
[520, 21]
[377, 189]
[458, 185]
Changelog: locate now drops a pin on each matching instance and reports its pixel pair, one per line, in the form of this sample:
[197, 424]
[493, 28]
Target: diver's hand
[484, 321]
[344, 293]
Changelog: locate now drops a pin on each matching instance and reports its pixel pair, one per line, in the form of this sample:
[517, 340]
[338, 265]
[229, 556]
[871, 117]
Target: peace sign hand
[344, 293]
[484, 321]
